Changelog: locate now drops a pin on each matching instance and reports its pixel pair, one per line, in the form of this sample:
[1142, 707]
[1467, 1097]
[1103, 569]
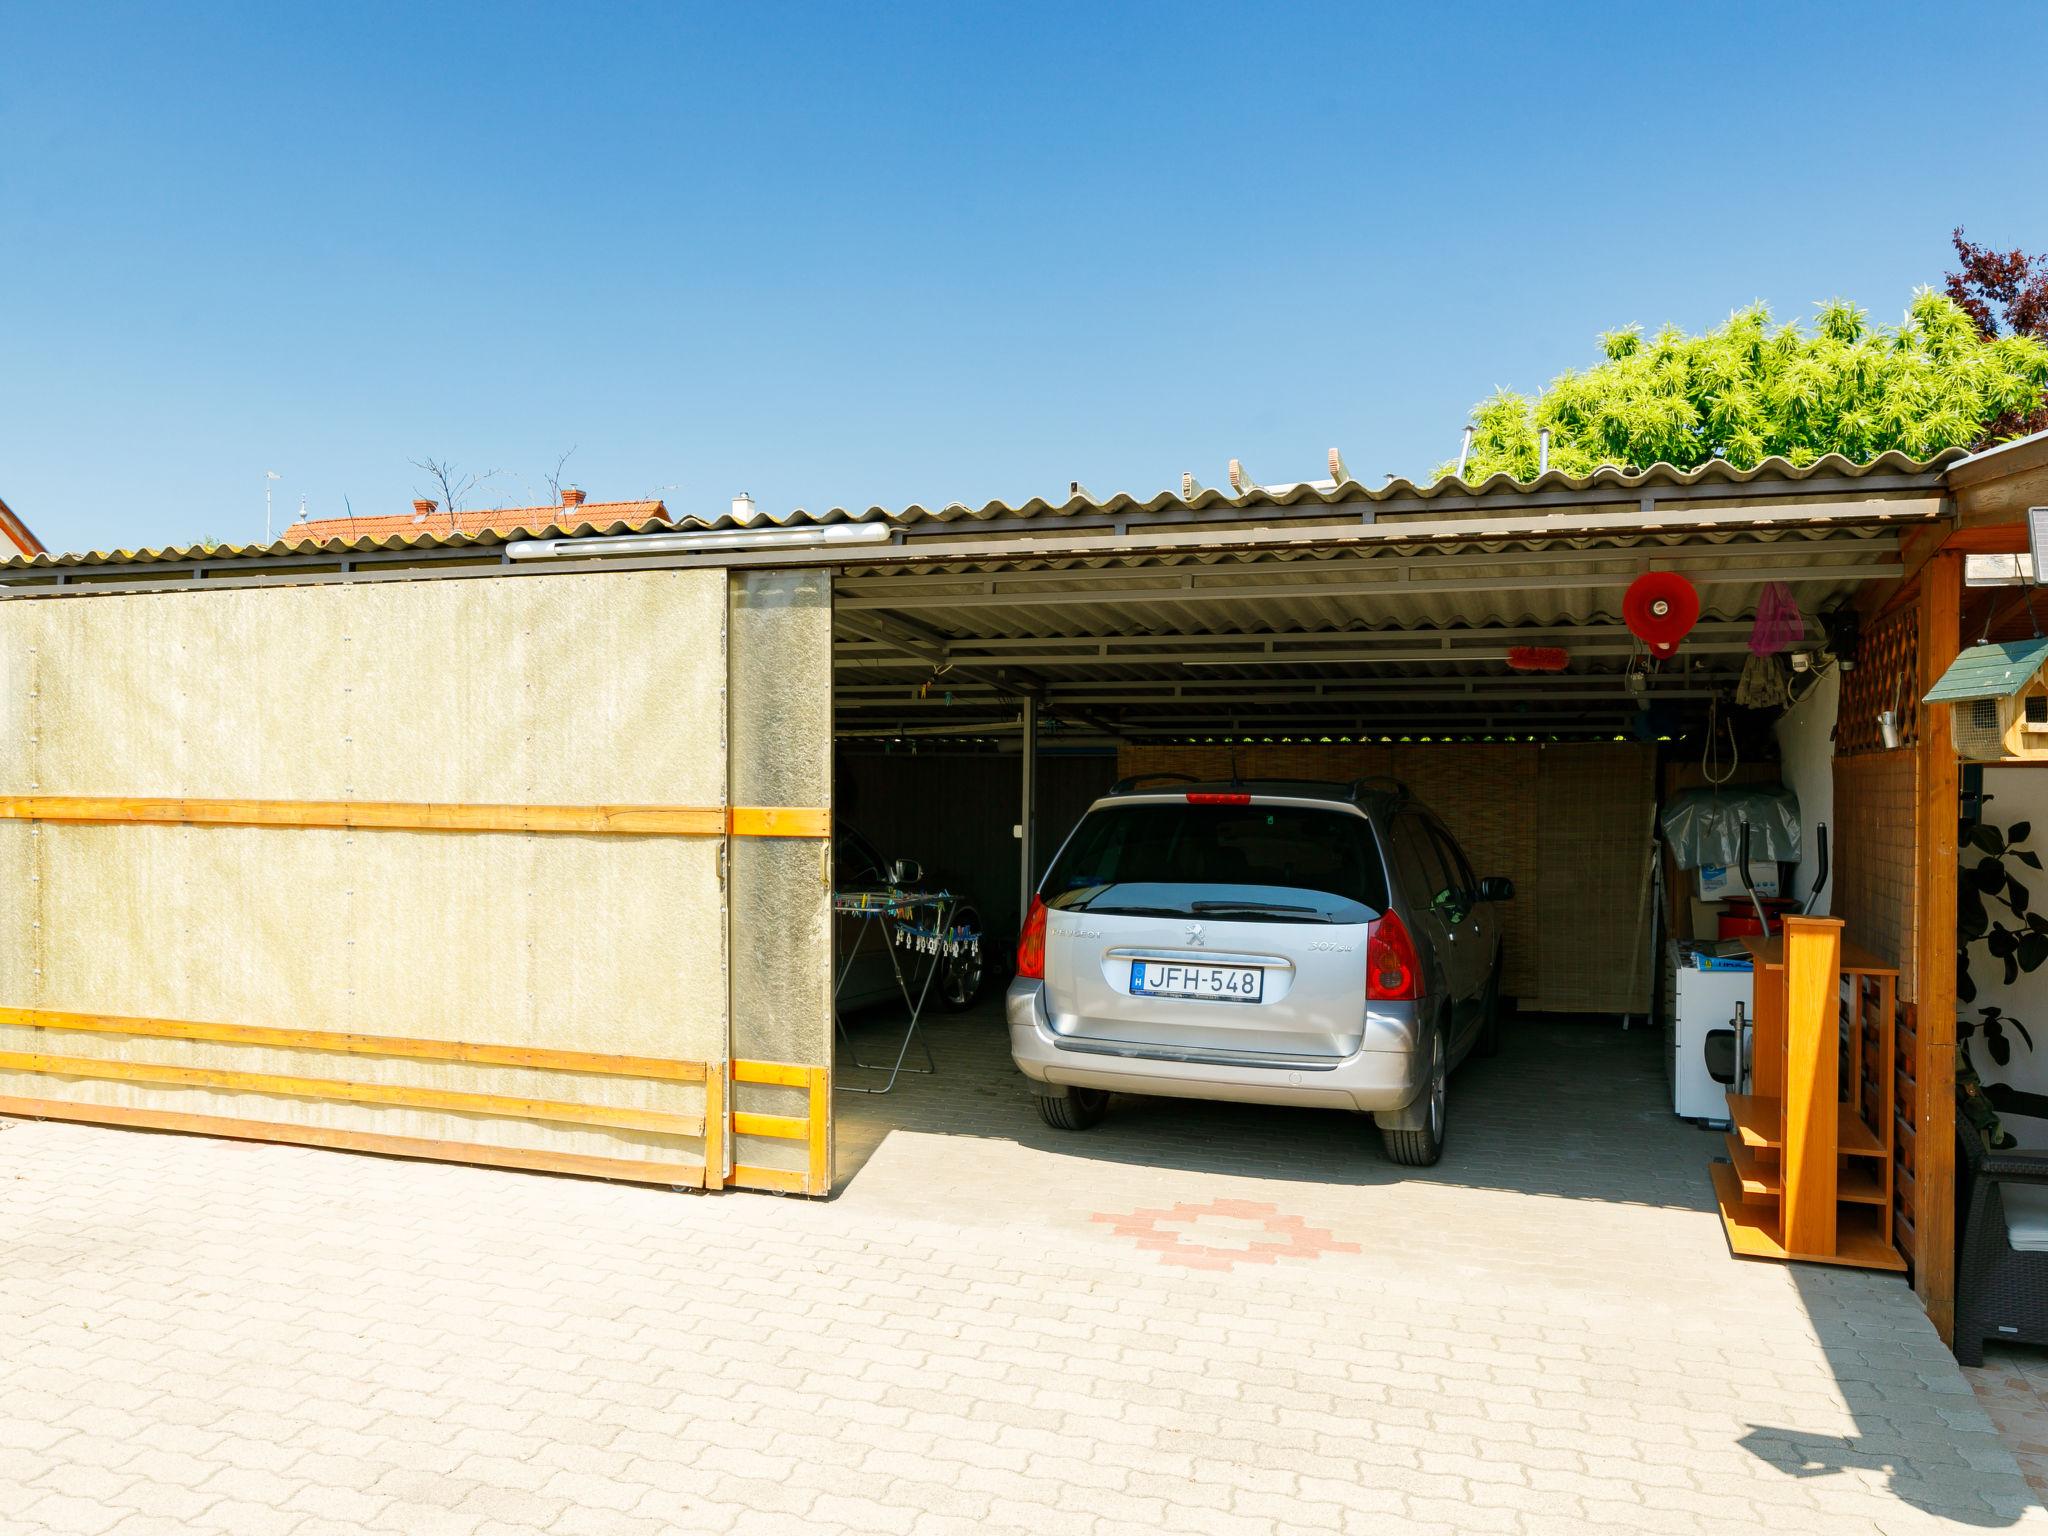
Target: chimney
[571, 497]
[422, 507]
[743, 508]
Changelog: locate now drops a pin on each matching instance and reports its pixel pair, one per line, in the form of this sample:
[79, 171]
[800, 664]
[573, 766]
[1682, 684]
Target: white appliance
[1696, 1001]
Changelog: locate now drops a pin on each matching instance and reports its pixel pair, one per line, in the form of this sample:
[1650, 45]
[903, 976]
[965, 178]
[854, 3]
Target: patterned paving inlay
[1221, 1234]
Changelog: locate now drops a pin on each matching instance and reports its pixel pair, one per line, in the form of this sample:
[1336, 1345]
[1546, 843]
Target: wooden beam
[814, 1128]
[780, 821]
[1989, 539]
[422, 816]
[821, 1131]
[1916, 547]
[500, 1106]
[1934, 971]
[774, 1127]
[717, 1123]
[685, 1174]
[653, 1067]
[781, 1181]
[781, 1074]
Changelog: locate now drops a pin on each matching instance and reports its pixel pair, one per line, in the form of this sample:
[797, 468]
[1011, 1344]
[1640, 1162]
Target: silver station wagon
[1269, 942]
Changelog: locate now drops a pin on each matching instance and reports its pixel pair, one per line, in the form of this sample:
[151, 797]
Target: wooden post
[1813, 1029]
[820, 1132]
[1934, 969]
[715, 1125]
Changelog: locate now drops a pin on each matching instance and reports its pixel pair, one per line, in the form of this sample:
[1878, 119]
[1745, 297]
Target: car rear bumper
[1385, 1074]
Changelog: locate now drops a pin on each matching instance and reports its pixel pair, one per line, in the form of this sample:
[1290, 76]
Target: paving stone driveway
[1198, 1318]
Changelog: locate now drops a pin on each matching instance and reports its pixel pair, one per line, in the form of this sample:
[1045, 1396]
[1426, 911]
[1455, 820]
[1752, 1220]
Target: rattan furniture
[2002, 1265]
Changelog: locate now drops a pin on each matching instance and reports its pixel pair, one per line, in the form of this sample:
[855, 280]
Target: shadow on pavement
[1570, 1107]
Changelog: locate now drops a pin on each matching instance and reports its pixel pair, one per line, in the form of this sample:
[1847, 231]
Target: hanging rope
[1713, 735]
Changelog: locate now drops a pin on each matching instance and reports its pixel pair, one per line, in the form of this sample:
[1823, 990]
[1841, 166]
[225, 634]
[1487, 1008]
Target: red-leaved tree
[2005, 292]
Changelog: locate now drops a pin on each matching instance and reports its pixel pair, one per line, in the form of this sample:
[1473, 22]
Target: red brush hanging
[1538, 658]
[1660, 609]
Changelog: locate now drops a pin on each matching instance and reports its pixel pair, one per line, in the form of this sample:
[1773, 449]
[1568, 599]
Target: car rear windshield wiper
[1122, 911]
[1261, 908]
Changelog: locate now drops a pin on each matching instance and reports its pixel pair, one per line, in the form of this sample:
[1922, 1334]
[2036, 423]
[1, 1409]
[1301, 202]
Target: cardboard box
[1718, 882]
[1705, 919]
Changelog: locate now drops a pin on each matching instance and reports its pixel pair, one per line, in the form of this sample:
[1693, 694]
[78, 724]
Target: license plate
[1219, 983]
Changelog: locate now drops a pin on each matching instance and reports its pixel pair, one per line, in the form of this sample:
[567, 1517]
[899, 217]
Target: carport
[1180, 635]
[990, 669]
[1002, 664]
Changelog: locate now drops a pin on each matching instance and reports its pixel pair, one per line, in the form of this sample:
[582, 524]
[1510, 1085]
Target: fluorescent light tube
[799, 536]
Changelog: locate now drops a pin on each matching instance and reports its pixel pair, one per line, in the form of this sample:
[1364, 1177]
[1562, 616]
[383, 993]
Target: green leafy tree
[1753, 388]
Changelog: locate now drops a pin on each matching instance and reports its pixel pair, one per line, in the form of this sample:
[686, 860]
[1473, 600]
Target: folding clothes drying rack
[921, 922]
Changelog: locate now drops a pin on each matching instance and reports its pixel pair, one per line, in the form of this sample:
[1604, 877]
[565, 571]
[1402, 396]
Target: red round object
[1660, 609]
[1538, 658]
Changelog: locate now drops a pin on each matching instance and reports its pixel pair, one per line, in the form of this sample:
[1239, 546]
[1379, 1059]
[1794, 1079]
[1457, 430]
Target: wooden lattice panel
[1885, 677]
[1874, 858]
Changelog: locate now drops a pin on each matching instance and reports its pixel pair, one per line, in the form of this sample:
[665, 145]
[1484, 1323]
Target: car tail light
[1031, 943]
[1211, 797]
[1393, 972]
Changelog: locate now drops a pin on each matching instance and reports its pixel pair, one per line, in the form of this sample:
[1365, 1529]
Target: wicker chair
[2002, 1259]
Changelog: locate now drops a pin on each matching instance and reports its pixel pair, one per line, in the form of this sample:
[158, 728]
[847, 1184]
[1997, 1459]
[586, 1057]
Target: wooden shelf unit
[1810, 1171]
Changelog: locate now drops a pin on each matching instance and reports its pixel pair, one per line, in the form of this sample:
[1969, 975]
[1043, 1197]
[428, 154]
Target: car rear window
[1184, 855]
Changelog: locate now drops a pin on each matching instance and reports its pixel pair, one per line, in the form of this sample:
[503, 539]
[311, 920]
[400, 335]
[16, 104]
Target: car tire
[1080, 1109]
[960, 977]
[1488, 1043]
[1419, 1146]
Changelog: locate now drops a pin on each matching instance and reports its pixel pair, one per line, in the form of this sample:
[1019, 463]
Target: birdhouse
[1999, 700]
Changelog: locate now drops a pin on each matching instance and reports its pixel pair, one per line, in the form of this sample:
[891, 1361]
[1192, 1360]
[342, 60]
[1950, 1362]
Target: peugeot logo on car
[1195, 934]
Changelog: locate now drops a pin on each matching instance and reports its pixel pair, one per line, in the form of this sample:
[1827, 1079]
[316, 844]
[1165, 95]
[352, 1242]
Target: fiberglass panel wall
[781, 731]
[540, 690]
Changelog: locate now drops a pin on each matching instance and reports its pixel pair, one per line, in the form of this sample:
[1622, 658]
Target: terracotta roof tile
[17, 533]
[599, 514]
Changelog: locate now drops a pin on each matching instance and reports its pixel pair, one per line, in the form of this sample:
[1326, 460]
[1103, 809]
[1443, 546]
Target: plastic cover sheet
[1704, 826]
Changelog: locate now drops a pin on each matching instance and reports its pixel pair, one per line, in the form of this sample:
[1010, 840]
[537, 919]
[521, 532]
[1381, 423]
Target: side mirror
[906, 872]
[1496, 888]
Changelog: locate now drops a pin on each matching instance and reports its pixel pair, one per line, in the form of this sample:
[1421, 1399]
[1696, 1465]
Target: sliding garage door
[437, 867]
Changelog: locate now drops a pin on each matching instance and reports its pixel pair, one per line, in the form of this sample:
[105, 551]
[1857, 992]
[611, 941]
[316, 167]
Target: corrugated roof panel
[1227, 507]
[1829, 466]
[1382, 590]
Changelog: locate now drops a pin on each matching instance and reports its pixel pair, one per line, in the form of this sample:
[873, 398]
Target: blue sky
[884, 254]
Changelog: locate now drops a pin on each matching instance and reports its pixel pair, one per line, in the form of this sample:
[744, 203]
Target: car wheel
[1489, 1027]
[1080, 1109]
[1421, 1145]
[961, 975]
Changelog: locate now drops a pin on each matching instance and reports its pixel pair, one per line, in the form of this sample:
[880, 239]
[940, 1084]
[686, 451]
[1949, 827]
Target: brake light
[1031, 943]
[1211, 797]
[1393, 972]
